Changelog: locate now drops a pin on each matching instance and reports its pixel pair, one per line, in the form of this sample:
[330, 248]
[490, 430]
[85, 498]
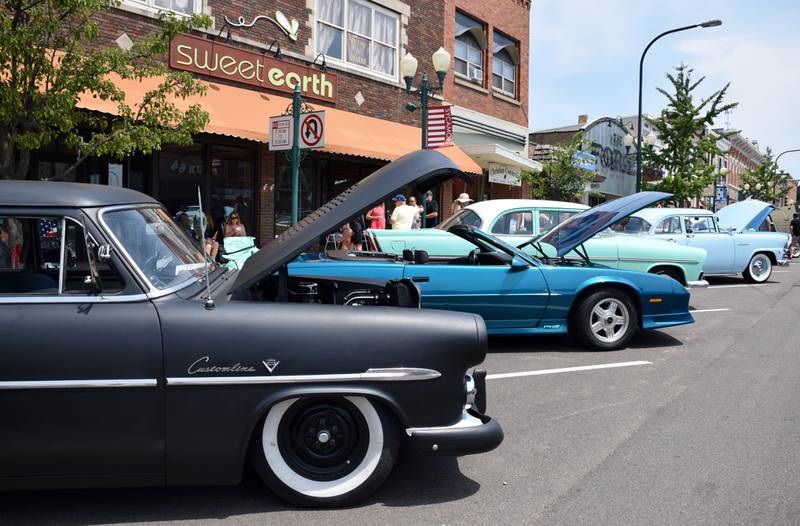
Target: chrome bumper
[699, 284]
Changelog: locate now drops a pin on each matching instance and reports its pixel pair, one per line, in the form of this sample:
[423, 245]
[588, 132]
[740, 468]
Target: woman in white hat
[462, 201]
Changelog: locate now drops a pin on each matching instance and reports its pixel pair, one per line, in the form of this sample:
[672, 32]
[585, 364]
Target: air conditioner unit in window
[475, 74]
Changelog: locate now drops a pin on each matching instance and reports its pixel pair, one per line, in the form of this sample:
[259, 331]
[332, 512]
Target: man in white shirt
[402, 215]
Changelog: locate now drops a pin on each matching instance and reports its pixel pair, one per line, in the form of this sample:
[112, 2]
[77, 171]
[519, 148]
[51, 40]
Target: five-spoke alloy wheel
[759, 269]
[605, 320]
[325, 451]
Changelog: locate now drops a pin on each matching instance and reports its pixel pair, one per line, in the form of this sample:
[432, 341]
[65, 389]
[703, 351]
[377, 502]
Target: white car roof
[494, 207]
[654, 214]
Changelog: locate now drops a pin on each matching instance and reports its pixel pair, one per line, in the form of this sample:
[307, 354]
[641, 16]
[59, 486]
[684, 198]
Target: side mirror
[517, 263]
[104, 252]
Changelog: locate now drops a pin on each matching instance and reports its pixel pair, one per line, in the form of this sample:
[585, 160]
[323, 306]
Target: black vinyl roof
[57, 194]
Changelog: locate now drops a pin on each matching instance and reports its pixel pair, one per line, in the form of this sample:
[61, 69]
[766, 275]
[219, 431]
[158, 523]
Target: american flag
[48, 228]
[440, 127]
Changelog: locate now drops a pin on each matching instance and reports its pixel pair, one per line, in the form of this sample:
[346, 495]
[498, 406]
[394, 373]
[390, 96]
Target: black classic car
[123, 365]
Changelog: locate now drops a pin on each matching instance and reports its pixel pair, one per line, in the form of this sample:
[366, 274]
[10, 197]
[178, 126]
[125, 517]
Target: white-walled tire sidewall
[765, 276]
[322, 489]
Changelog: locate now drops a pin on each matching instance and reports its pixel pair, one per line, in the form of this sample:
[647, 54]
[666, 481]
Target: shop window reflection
[232, 188]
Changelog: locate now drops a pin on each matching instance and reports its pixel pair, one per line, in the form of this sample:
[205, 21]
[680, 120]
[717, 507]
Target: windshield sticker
[188, 268]
[201, 366]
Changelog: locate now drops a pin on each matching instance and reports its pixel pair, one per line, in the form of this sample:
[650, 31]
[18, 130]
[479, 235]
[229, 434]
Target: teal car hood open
[744, 215]
[581, 227]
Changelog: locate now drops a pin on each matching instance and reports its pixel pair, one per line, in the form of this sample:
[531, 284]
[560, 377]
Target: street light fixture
[627, 141]
[709, 23]
[787, 151]
[408, 70]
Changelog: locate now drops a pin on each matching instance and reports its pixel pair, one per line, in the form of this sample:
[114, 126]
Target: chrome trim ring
[396, 374]
[609, 320]
[76, 384]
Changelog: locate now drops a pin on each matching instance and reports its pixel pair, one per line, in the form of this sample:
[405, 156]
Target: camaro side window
[516, 223]
[670, 225]
[30, 254]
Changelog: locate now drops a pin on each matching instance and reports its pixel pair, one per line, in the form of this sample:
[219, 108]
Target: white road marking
[731, 286]
[565, 370]
[707, 310]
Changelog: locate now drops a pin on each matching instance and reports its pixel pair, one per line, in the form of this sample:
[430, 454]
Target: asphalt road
[706, 431]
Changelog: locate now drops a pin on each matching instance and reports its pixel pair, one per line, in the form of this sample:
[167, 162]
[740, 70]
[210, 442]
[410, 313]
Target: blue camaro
[514, 292]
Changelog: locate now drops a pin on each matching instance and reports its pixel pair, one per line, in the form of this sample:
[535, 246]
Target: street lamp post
[710, 23]
[408, 70]
[785, 152]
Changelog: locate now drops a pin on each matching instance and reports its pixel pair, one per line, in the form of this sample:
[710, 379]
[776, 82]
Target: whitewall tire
[325, 451]
[759, 269]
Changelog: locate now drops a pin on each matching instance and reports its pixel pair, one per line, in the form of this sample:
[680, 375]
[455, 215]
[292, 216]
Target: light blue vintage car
[737, 238]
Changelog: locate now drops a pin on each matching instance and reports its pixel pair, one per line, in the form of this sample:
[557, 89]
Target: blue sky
[585, 59]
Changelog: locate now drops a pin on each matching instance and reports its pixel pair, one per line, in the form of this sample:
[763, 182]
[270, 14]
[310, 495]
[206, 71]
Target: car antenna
[209, 302]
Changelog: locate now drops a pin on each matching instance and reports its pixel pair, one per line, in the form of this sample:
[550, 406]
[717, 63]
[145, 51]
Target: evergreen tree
[51, 56]
[560, 178]
[765, 183]
[685, 158]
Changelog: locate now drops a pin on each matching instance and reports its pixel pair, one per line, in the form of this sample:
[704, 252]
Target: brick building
[345, 54]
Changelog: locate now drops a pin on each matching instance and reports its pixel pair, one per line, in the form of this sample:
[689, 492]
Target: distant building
[614, 165]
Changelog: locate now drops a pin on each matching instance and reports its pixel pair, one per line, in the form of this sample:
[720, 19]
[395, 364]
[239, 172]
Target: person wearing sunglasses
[234, 227]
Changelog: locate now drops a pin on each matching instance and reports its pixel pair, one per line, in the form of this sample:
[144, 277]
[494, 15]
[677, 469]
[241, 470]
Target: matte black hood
[423, 169]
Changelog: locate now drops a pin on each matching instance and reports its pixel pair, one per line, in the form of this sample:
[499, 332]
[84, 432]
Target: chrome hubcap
[759, 267]
[323, 437]
[609, 320]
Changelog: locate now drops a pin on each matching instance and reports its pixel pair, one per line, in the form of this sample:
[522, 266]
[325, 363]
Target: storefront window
[309, 196]
[358, 33]
[232, 184]
[184, 7]
[181, 172]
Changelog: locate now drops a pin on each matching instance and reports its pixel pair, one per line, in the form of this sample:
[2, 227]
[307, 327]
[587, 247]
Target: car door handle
[420, 279]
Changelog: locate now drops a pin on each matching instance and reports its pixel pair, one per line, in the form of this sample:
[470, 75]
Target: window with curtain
[358, 33]
[504, 65]
[184, 7]
[470, 43]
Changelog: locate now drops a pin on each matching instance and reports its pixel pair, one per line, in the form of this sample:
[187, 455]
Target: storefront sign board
[215, 59]
[280, 132]
[504, 174]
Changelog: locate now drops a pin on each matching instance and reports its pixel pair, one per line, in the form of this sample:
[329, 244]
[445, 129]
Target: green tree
[51, 54]
[560, 179]
[685, 158]
[765, 183]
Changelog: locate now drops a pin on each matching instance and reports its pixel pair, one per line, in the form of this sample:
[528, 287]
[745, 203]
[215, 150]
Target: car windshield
[164, 253]
[462, 217]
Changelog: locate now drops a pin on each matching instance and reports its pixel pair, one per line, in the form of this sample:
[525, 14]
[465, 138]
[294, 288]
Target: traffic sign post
[298, 128]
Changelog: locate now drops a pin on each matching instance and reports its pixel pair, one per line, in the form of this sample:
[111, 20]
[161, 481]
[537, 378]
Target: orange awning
[244, 113]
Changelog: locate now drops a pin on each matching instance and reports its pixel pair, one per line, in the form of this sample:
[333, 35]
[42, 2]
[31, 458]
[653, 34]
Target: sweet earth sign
[207, 57]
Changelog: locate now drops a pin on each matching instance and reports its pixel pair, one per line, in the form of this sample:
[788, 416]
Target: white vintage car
[737, 237]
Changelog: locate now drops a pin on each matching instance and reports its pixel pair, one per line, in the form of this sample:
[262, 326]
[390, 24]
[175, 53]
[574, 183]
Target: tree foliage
[685, 158]
[765, 183]
[51, 54]
[560, 179]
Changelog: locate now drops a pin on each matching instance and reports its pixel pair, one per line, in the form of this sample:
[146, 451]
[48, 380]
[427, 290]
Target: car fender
[769, 243]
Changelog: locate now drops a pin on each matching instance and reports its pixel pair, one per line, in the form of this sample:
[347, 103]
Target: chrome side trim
[76, 384]
[467, 420]
[77, 300]
[662, 260]
[392, 374]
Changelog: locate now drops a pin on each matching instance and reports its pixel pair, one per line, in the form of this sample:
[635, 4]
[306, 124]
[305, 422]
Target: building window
[358, 33]
[183, 7]
[504, 66]
[470, 43]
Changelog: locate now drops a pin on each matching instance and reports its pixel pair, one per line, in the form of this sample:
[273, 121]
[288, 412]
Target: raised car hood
[578, 228]
[747, 214]
[423, 169]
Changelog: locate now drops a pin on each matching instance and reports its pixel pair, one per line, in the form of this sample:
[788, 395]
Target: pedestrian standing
[462, 201]
[795, 226]
[431, 210]
[412, 202]
[377, 217]
[402, 215]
